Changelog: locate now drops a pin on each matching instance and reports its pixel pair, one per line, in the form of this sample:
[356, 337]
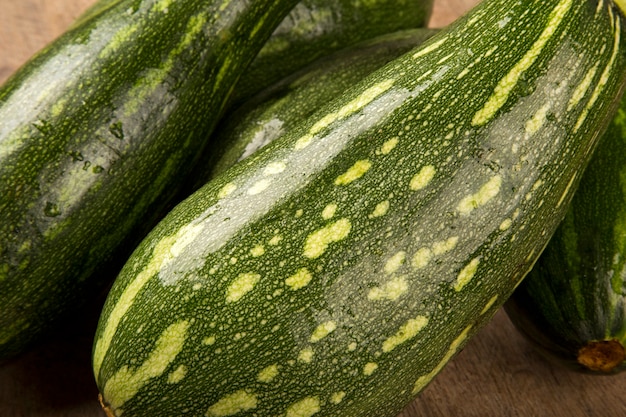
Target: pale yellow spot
[274, 168]
[395, 262]
[304, 141]
[488, 191]
[329, 211]
[268, 374]
[381, 209]
[365, 98]
[428, 49]
[226, 190]
[582, 88]
[392, 290]
[323, 123]
[389, 146]
[537, 120]
[259, 186]
[275, 240]
[178, 375]
[489, 304]
[454, 347]
[125, 383]
[506, 224]
[299, 213]
[408, 331]
[162, 5]
[355, 172]
[421, 258]
[300, 279]
[242, 285]
[422, 178]
[119, 39]
[352, 347]
[210, 340]
[466, 274]
[439, 248]
[306, 355]
[463, 73]
[370, 368]
[304, 408]
[232, 404]
[337, 397]
[257, 251]
[506, 84]
[318, 241]
[197, 286]
[323, 330]
[352, 107]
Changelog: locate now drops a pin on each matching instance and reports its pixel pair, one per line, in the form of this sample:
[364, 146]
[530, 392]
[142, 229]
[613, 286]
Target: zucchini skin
[338, 269]
[315, 28]
[96, 132]
[278, 109]
[573, 299]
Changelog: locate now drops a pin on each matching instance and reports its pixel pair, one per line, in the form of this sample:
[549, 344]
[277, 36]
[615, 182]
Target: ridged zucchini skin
[278, 109]
[571, 306]
[96, 132]
[338, 269]
[315, 28]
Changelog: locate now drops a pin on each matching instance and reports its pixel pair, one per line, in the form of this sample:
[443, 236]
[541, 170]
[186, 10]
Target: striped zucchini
[279, 108]
[96, 132]
[315, 28]
[338, 269]
[572, 305]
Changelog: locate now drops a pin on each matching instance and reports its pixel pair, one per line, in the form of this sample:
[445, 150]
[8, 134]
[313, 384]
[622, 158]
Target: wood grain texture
[497, 374]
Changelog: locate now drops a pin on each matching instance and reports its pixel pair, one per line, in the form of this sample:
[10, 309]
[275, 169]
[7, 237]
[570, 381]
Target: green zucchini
[96, 133]
[279, 108]
[315, 28]
[336, 271]
[572, 305]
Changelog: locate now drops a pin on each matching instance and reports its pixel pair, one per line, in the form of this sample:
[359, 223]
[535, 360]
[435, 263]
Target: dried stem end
[601, 355]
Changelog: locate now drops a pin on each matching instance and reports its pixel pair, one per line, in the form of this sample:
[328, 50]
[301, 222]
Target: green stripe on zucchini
[96, 132]
[337, 270]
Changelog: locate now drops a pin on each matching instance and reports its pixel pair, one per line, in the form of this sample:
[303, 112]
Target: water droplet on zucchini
[51, 210]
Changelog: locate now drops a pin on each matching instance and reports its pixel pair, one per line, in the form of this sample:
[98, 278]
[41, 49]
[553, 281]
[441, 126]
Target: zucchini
[277, 109]
[572, 305]
[315, 28]
[96, 132]
[336, 271]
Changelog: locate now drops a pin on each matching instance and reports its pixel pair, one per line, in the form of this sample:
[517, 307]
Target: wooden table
[497, 374]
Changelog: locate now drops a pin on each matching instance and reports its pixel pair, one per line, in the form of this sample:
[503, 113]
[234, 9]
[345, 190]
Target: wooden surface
[497, 374]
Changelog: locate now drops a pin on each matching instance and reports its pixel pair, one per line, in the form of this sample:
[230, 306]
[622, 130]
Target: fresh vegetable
[281, 107]
[96, 133]
[572, 304]
[338, 269]
[315, 28]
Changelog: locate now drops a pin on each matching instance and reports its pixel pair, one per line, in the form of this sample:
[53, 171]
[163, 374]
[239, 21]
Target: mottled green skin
[480, 186]
[279, 108]
[96, 132]
[576, 292]
[315, 28]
